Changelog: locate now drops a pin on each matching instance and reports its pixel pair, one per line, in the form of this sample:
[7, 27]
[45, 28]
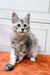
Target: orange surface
[26, 67]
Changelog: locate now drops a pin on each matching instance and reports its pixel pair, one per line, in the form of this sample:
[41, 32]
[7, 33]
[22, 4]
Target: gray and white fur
[23, 42]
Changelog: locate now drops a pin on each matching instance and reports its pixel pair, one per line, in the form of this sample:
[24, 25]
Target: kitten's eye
[25, 25]
[18, 25]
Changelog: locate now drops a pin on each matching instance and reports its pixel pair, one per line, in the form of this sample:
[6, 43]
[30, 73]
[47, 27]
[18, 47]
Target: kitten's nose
[22, 30]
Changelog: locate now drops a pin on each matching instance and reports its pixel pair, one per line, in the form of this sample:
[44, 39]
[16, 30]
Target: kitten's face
[21, 26]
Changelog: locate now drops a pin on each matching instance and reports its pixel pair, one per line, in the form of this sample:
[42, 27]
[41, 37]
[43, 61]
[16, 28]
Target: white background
[39, 21]
[29, 5]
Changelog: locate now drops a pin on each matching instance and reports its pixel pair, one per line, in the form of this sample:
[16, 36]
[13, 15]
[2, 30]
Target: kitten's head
[21, 26]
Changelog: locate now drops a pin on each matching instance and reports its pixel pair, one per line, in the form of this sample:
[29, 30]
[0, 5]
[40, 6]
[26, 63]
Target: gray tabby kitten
[23, 43]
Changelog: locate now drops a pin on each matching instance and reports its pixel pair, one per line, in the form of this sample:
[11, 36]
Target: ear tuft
[14, 18]
[27, 18]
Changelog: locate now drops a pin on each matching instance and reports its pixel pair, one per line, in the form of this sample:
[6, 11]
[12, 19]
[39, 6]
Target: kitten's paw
[32, 59]
[8, 67]
[17, 62]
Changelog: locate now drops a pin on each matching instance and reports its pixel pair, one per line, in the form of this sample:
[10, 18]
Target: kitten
[23, 43]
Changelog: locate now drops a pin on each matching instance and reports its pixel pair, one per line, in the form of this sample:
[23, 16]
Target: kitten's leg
[12, 61]
[20, 58]
[32, 58]
[22, 54]
[33, 54]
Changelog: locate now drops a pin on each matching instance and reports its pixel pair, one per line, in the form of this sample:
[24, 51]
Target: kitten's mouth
[21, 32]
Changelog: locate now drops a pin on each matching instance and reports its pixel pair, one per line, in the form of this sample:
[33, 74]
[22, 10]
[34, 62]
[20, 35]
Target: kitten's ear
[27, 18]
[14, 18]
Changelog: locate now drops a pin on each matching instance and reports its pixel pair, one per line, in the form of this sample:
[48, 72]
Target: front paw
[8, 67]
